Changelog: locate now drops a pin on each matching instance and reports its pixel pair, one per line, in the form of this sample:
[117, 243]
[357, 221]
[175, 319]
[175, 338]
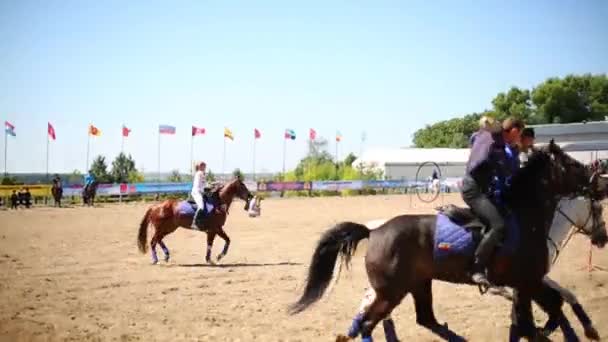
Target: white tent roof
[576, 146]
[383, 156]
[571, 128]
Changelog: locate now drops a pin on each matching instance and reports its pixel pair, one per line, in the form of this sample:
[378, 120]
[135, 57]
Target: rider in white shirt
[199, 184]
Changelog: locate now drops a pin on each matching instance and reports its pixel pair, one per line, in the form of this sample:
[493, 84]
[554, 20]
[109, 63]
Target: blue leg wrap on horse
[513, 334]
[164, 248]
[569, 334]
[367, 339]
[154, 256]
[581, 314]
[551, 325]
[355, 326]
[389, 330]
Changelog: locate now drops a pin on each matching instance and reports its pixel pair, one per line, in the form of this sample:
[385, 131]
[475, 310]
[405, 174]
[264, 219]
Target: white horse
[572, 216]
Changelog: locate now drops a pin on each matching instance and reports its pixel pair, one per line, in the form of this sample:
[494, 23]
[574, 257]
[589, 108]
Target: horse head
[556, 173]
[236, 188]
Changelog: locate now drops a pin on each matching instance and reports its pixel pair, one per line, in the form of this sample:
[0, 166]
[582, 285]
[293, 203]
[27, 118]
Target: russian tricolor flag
[9, 128]
[166, 129]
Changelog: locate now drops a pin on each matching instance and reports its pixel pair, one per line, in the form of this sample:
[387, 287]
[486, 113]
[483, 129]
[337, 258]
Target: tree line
[574, 98]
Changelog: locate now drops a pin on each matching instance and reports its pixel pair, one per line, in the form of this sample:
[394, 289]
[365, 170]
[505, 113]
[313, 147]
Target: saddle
[463, 217]
[211, 196]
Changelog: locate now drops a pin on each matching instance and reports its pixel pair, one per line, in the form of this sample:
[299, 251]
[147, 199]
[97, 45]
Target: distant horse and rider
[57, 190]
[407, 252]
[208, 215]
[89, 190]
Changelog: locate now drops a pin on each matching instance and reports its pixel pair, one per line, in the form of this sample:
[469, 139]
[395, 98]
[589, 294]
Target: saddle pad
[453, 239]
[187, 208]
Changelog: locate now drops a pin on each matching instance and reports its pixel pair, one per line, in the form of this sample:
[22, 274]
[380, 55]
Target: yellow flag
[228, 133]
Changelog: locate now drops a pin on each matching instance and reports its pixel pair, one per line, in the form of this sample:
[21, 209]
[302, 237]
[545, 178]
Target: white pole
[88, 148]
[224, 159]
[284, 155]
[254, 142]
[47, 157]
[5, 152]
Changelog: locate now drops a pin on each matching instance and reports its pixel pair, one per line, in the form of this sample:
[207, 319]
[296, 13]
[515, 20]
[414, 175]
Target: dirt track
[76, 274]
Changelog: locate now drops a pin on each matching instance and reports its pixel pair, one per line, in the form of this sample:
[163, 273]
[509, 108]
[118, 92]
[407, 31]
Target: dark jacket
[490, 159]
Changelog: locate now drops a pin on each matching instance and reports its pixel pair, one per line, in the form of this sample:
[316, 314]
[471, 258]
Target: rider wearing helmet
[492, 162]
[199, 184]
[89, 178]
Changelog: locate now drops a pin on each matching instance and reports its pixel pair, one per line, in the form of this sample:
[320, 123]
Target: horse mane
[529, 179]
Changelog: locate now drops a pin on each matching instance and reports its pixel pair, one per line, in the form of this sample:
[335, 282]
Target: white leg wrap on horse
[368, 299]
[566, 294]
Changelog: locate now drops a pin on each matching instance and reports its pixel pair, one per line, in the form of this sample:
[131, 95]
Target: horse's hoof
[220, 257]
[343, 338]
[154, 262]
[591, 333]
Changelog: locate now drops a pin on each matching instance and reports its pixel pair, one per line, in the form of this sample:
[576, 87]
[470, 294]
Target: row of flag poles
[289, 134]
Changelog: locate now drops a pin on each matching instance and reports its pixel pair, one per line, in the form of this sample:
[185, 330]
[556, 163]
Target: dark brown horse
[401, 255]
[171, 214]
[57, 192]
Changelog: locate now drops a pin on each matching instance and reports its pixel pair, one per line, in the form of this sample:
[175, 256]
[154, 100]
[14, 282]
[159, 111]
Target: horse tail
[142, 236]
[341, 239]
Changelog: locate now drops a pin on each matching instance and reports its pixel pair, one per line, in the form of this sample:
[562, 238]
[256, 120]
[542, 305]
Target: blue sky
[387, 68]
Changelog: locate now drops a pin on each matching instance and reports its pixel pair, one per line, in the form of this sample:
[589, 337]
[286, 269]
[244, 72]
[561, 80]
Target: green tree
[135, 177]
[453, 133]
[99, 169]
[211, 176]
[572, 99]
[75, 177]
[350, 158]
[175, 176]
[6, 180]
[516, 102]
[237, 173]
[122, 167]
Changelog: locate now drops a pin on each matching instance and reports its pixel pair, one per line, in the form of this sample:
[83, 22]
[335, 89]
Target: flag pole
[159, 155]
[47, 157]
[284, 155]
[224, 158]
[192, 154]
[254, 142]
[5, 152]
[122, 144]
[88, 147]
[337, 162]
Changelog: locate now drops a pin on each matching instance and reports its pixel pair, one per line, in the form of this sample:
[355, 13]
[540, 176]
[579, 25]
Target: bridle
[592, 216]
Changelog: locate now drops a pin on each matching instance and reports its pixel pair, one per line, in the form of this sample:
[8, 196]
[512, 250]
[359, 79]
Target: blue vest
[500, 186]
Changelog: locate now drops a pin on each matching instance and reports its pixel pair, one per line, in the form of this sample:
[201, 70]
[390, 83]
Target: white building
[403, 163]
[573, 132]
[584, 141]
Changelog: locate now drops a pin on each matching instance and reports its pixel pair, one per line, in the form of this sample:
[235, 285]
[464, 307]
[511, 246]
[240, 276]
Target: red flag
[312, 134]
[257, 133]
[51, 131]
[125, 131]
[197, 130]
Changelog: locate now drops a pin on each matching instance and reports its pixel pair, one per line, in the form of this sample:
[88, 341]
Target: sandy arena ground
[76, 274]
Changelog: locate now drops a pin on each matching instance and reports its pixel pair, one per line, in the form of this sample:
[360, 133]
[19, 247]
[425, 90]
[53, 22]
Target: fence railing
[125, 189]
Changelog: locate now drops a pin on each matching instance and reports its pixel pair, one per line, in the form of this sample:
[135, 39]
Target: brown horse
[404, 256]
[171, 214]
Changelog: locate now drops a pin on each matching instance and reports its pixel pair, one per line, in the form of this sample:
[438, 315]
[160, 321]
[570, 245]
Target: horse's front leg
[570, 298]
[522, 321]
[226, 239]
[210, 238]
